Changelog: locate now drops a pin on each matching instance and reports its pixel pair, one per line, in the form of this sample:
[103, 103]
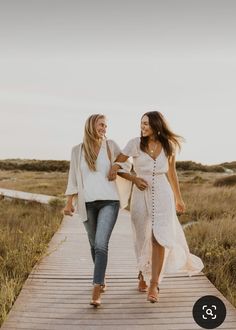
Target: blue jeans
[102, 215]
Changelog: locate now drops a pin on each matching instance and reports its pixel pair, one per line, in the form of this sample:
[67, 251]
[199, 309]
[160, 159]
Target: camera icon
[209, 311]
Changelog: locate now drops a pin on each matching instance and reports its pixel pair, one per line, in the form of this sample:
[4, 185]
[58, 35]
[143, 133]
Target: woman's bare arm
[115, 167]
[139, 182]
[174, 182]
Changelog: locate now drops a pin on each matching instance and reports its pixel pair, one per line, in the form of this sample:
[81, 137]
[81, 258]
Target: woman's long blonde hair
[90, 140]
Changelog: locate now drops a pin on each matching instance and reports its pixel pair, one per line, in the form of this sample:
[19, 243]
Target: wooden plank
[165, 323]
[173, 311]
[162, 308]
[16, 194]
[70, 286]
[57, 293]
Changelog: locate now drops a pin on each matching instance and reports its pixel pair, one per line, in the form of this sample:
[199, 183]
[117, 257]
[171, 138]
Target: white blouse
[75, 181]
[96, 184]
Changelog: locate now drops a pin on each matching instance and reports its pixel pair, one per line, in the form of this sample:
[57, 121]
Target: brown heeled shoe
[153, 292]
[96, 300]
[142, 285]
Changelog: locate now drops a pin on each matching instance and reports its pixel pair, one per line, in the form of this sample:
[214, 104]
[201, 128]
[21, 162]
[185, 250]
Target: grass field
[212, 234]
[48, 183]
[26, 230]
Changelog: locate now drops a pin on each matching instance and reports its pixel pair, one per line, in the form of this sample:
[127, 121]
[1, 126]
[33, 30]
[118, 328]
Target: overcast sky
[61, 61]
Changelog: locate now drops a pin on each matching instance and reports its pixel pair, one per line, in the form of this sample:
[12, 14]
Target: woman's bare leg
[158, 253]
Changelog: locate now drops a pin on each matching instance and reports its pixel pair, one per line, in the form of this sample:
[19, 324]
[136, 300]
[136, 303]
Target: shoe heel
[142, 285]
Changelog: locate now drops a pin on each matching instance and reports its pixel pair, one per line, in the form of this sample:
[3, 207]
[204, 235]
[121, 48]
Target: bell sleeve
[72, 185]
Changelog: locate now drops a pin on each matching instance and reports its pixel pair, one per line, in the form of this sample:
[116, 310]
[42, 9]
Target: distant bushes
[63, 165]
[35, 165]
[192, 166]
[231, 165]
[225, 181]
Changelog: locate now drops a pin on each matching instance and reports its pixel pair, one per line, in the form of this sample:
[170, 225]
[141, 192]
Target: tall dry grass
[25, 231]
[48, 183]
[212, 237]
[214, 241]
[204, 201]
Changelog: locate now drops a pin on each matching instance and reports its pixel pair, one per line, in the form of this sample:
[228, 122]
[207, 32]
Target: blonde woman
[97, 198]
[160, 243]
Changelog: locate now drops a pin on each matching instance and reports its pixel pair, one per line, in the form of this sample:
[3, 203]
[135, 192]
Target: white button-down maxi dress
[153, 211]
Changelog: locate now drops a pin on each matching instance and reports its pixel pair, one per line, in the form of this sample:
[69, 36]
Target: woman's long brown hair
[168, 139]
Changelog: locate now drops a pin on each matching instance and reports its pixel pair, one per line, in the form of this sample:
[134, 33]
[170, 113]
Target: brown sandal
[153, 292]
[142, 285]
[96, 300]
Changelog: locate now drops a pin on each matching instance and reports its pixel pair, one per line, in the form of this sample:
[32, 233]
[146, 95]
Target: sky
[61, 61]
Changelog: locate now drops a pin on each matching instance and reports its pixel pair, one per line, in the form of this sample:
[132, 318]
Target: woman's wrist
[69, 202]
[116, 167]
[179, 199]
[133, 178]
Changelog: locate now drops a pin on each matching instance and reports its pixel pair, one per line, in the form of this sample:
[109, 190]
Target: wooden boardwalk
[57, 293]
[16, 194]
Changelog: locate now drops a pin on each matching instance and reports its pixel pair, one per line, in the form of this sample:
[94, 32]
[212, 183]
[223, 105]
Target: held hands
[68, 210]
[180, 206]
[140, 183]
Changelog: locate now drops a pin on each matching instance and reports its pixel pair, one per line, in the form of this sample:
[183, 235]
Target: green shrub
[57, 202]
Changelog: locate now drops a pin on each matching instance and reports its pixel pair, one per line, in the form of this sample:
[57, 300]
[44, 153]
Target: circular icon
[209, 312]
